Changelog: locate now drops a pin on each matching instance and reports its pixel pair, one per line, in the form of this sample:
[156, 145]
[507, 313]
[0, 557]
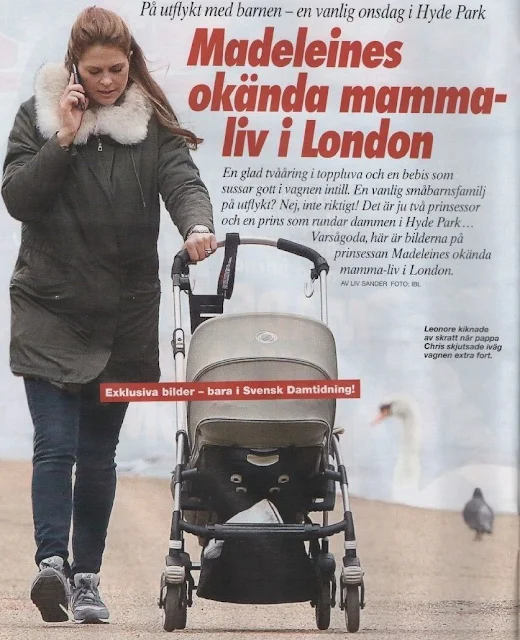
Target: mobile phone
[77, 80]
[76, 74]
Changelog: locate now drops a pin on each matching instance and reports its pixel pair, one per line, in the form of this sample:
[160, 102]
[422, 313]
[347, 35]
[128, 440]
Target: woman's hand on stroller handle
[200, 244]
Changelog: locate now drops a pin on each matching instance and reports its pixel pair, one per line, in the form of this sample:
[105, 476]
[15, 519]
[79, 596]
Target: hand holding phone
[73, 104]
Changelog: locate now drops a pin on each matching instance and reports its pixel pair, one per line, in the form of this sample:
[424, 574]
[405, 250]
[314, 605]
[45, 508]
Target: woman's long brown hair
[98, 26]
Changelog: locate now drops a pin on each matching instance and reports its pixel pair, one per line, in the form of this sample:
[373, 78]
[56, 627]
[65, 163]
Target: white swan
[407, 470]
[451, 490]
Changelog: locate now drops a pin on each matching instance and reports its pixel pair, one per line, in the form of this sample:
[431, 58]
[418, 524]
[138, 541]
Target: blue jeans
[72, 428]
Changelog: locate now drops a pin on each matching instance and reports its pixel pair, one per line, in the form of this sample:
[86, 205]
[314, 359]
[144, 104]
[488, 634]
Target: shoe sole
[92, 619]
[49, 595]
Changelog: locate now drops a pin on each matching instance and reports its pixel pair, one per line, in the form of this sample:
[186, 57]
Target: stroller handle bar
[182, 259]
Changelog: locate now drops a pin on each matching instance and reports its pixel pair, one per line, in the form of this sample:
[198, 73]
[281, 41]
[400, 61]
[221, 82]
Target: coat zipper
[100, 148]
[138, 180]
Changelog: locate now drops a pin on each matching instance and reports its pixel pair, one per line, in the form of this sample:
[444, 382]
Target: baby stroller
[276, 456]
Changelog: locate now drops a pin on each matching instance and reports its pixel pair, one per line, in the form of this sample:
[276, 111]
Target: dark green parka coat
[85, 289]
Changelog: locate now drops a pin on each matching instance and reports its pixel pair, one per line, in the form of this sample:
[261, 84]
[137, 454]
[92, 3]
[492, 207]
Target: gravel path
[425, 576]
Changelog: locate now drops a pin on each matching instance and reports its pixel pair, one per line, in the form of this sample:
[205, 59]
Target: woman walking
[89, 157]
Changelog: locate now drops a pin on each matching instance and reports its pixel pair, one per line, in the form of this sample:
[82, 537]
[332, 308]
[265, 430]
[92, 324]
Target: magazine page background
[465, 410]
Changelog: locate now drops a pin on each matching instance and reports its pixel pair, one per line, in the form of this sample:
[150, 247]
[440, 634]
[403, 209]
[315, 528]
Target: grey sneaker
[85, 602]
[50, 590]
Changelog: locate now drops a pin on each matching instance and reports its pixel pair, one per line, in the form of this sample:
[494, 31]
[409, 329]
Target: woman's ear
[130, 54]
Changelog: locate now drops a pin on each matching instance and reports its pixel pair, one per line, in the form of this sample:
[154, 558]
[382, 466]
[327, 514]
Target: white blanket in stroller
[261, 512]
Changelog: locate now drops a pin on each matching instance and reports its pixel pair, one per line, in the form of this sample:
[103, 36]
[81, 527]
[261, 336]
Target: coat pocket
[55, 295]
[142, 290]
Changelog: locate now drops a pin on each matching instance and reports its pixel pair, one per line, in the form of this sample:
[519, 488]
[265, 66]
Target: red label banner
[229, 390]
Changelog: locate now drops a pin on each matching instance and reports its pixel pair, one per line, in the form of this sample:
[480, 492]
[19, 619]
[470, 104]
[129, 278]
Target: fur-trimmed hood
[126, 123]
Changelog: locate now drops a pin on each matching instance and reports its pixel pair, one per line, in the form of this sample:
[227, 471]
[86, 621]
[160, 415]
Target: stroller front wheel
[175, 607]
[352, 608]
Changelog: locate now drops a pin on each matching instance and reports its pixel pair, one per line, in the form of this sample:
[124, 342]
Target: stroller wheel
[352, 608]
[323, 606]
[175, 607]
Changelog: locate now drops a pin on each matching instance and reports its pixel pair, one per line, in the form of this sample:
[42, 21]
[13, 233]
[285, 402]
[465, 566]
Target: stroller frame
[177, 582]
